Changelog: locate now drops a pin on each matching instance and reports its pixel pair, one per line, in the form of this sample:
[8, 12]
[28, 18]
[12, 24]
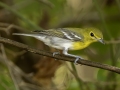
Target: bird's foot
[55, 54]
[77, 58]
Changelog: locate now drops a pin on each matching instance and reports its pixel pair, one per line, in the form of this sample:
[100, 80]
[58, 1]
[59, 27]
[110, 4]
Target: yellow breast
[79, 45]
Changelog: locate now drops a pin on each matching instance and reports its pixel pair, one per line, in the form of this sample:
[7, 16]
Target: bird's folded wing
[64, 33]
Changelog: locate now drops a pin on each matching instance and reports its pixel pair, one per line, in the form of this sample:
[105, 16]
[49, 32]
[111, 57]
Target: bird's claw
[77, 58]
[55, 54]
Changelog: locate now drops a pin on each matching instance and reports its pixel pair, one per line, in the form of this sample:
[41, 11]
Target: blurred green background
[22, 70]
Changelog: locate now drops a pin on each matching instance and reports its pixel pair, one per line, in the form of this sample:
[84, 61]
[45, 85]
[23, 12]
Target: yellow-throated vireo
[67, 38]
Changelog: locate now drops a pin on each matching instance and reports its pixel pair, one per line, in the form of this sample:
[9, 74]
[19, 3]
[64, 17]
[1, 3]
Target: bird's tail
[23, 34]
[37, 36]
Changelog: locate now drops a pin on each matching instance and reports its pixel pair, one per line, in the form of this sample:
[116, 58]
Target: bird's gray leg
[65, 52]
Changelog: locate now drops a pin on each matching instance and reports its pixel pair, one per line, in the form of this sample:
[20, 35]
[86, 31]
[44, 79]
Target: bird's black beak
[101, 40]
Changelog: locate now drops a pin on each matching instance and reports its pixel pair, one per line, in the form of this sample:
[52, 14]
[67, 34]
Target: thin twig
[7, 26]
[4, 85]
[9, 68]
[19, 15]
[76, 76]
[22, 4]
[60, 57]
[118, 4]
[17, 71]
[112, 42]
[47, 2]
[102, 18]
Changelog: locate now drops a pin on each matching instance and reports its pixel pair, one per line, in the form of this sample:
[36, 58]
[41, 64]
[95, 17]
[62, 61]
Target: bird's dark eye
[91, 34]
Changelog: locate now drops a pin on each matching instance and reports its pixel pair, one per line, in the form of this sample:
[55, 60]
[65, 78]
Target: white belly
[56, 42]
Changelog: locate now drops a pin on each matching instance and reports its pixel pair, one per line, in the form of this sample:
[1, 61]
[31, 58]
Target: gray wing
[64, 33]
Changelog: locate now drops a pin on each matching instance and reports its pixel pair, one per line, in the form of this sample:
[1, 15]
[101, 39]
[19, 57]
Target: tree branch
[60, 57]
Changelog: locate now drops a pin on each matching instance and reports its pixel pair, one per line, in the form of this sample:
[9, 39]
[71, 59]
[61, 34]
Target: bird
[67, 38]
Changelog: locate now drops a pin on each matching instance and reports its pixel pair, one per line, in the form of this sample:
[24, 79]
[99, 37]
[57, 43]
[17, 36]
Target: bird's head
[94, 34]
